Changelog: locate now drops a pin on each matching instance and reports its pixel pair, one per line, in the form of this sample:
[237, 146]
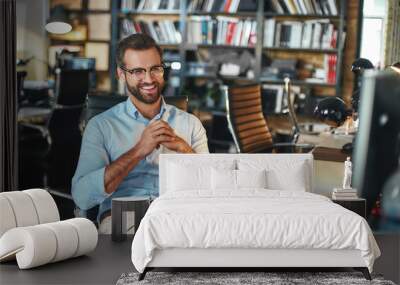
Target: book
[344, 197]
[307, 35]
[330, 68]
[344, 190]
[253, 34]
[269, 29]
[332, 7]
[344, 194]
[276, 6]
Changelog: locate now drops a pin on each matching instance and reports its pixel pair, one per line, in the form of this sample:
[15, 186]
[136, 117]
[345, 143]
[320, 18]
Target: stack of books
[344, 194]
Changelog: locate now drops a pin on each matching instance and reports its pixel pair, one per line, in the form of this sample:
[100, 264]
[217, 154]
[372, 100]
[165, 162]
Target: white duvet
[252, 218]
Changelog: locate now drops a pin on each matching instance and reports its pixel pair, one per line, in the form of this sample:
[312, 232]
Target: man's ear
[120, 74]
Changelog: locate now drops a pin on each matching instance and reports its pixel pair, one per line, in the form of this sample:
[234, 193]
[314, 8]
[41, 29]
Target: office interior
[312, 66]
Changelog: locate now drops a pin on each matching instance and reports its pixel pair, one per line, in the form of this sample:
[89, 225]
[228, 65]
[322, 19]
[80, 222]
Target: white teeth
[148, 87]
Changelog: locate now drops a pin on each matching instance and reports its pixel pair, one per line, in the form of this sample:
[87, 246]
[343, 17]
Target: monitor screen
[376, 152]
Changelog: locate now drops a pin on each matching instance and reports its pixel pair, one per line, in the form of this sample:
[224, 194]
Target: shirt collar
[134, 112]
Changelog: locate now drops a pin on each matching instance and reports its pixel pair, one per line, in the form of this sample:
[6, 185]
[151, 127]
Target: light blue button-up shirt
[112, 133]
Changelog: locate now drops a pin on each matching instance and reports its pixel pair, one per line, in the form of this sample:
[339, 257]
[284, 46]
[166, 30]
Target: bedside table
[358, 205]
[138, 204]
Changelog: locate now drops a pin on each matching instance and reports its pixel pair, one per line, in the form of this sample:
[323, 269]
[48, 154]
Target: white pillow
[185, 175]
[251, 178]
[223, 179]
[279, 180]
[282, 174]
[183, 178]
[235, 179]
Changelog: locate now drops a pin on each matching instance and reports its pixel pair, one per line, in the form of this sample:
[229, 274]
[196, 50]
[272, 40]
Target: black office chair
[52, 151]
[98, 102]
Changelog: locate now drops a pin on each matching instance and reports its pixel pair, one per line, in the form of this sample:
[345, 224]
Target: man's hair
[135, 42]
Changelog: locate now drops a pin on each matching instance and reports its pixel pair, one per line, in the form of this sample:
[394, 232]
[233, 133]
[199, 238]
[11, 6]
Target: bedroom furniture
[356, 205]
[119, 207]
[31, 231]
[329, 154]
[328, 169]
[203, 219]
[109, 260]
[247, 124]
[104, 265]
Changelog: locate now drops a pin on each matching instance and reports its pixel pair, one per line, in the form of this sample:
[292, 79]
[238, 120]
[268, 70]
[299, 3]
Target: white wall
[31, 36]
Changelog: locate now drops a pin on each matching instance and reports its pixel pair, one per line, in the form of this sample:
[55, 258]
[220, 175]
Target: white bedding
[251, 218]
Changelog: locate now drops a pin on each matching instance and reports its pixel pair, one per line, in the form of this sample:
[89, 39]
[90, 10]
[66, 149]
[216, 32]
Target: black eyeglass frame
[132, 71]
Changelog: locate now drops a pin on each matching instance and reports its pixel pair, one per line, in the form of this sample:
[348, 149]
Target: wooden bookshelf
[182, 15]
[83, 14]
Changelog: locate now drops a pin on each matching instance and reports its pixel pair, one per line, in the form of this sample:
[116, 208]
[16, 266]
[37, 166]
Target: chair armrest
[292, 147]
[60, 194]
[44, 131]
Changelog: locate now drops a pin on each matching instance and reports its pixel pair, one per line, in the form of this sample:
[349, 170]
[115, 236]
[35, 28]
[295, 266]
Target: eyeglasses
[156, 71]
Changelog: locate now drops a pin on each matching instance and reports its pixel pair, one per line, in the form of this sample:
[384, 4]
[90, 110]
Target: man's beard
[142, 98]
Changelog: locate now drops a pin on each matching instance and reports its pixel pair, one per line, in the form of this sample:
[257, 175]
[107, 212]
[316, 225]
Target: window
[372, 37]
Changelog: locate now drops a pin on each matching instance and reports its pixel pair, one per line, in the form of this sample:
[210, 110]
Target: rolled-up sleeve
[88, 182]
[199, 137]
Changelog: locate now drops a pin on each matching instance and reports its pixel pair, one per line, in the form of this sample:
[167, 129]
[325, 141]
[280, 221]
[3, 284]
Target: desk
[102, 266]
[328, 170]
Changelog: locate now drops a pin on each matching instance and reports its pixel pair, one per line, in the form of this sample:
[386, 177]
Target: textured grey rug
[243, 278]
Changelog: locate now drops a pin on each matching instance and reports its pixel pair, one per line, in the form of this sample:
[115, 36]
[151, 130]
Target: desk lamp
[333, 112]
[293, 117]
[58, 21]
[358, 67]
[396, 67]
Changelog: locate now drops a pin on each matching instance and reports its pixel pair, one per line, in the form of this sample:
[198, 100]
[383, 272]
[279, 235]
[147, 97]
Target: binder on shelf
[269, 29]
[303, 7]
[330, 68]
[163, 31]
[127, 5]
[223, 6]
[151, 5]
[276, 7]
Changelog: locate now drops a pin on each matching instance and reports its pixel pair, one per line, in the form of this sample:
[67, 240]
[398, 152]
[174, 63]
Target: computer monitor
[377, 148]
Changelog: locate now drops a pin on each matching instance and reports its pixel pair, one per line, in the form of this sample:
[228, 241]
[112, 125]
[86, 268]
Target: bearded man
[120, 146]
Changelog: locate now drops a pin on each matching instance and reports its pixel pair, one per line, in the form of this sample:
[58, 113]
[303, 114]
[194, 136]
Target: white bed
[247, 210]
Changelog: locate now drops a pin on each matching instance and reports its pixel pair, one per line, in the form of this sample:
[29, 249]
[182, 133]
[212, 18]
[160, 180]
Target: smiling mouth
[149, 88]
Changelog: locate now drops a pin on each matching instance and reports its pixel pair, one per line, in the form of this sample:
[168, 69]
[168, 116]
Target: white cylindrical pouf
[23, 208]
[67, 239]
[40, 244]
[34, 246]
[7, 218]
[87, 234]
[45, 206]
